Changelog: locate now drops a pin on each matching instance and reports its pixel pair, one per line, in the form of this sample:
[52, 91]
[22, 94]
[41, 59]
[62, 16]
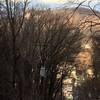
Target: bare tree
[38, 46]
[14, 24]
[57, 42]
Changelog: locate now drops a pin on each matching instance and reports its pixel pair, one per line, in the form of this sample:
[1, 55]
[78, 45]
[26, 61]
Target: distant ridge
[81, 10]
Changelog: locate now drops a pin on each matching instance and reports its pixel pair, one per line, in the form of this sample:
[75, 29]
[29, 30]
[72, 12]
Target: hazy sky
[59, 3]
[53, 1]
[63, 1]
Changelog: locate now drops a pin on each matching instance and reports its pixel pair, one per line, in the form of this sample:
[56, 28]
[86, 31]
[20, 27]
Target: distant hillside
[85, 11]
[81, 10]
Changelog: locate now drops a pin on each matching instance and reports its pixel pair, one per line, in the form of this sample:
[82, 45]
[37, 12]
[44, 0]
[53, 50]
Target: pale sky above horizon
[57, 3]
[60, 1]
[63, 1]
[53, 1]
